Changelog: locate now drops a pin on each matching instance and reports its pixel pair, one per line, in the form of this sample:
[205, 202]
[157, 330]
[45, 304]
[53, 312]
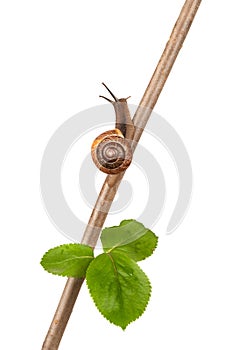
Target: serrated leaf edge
[149, 296]
[108, 250]
[115, 248]
[129, 240]
[59, 246]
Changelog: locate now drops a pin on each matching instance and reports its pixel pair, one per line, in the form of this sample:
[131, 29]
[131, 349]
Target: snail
[111, 150]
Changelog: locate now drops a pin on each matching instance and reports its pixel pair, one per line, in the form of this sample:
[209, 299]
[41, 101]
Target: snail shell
[111, 152]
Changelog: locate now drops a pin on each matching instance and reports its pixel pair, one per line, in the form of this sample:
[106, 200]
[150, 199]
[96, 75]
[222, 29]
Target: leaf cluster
[118, 286]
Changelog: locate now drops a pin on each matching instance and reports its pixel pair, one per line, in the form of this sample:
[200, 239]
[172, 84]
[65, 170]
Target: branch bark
[112, 182]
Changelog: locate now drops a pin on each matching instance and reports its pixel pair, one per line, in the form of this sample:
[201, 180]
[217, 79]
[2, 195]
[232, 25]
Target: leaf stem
[112, 182]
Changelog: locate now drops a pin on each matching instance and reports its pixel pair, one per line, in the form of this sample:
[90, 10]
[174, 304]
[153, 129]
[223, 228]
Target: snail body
[111, 152]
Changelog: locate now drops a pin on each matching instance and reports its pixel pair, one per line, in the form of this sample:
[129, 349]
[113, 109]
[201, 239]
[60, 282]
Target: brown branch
[112, 182]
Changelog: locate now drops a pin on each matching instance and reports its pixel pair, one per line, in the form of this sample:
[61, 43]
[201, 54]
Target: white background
[54, 55]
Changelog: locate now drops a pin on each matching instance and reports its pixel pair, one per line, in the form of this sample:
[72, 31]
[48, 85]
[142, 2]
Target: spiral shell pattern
[111, 152]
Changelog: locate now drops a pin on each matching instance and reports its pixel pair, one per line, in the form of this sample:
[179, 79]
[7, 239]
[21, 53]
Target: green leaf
[69, 260]
[119, 288]
[130, 237]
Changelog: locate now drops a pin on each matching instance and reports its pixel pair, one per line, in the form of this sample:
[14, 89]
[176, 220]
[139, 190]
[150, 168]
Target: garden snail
[111, 150]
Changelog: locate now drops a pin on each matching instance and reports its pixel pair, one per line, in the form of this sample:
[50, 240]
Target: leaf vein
[70, 259]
